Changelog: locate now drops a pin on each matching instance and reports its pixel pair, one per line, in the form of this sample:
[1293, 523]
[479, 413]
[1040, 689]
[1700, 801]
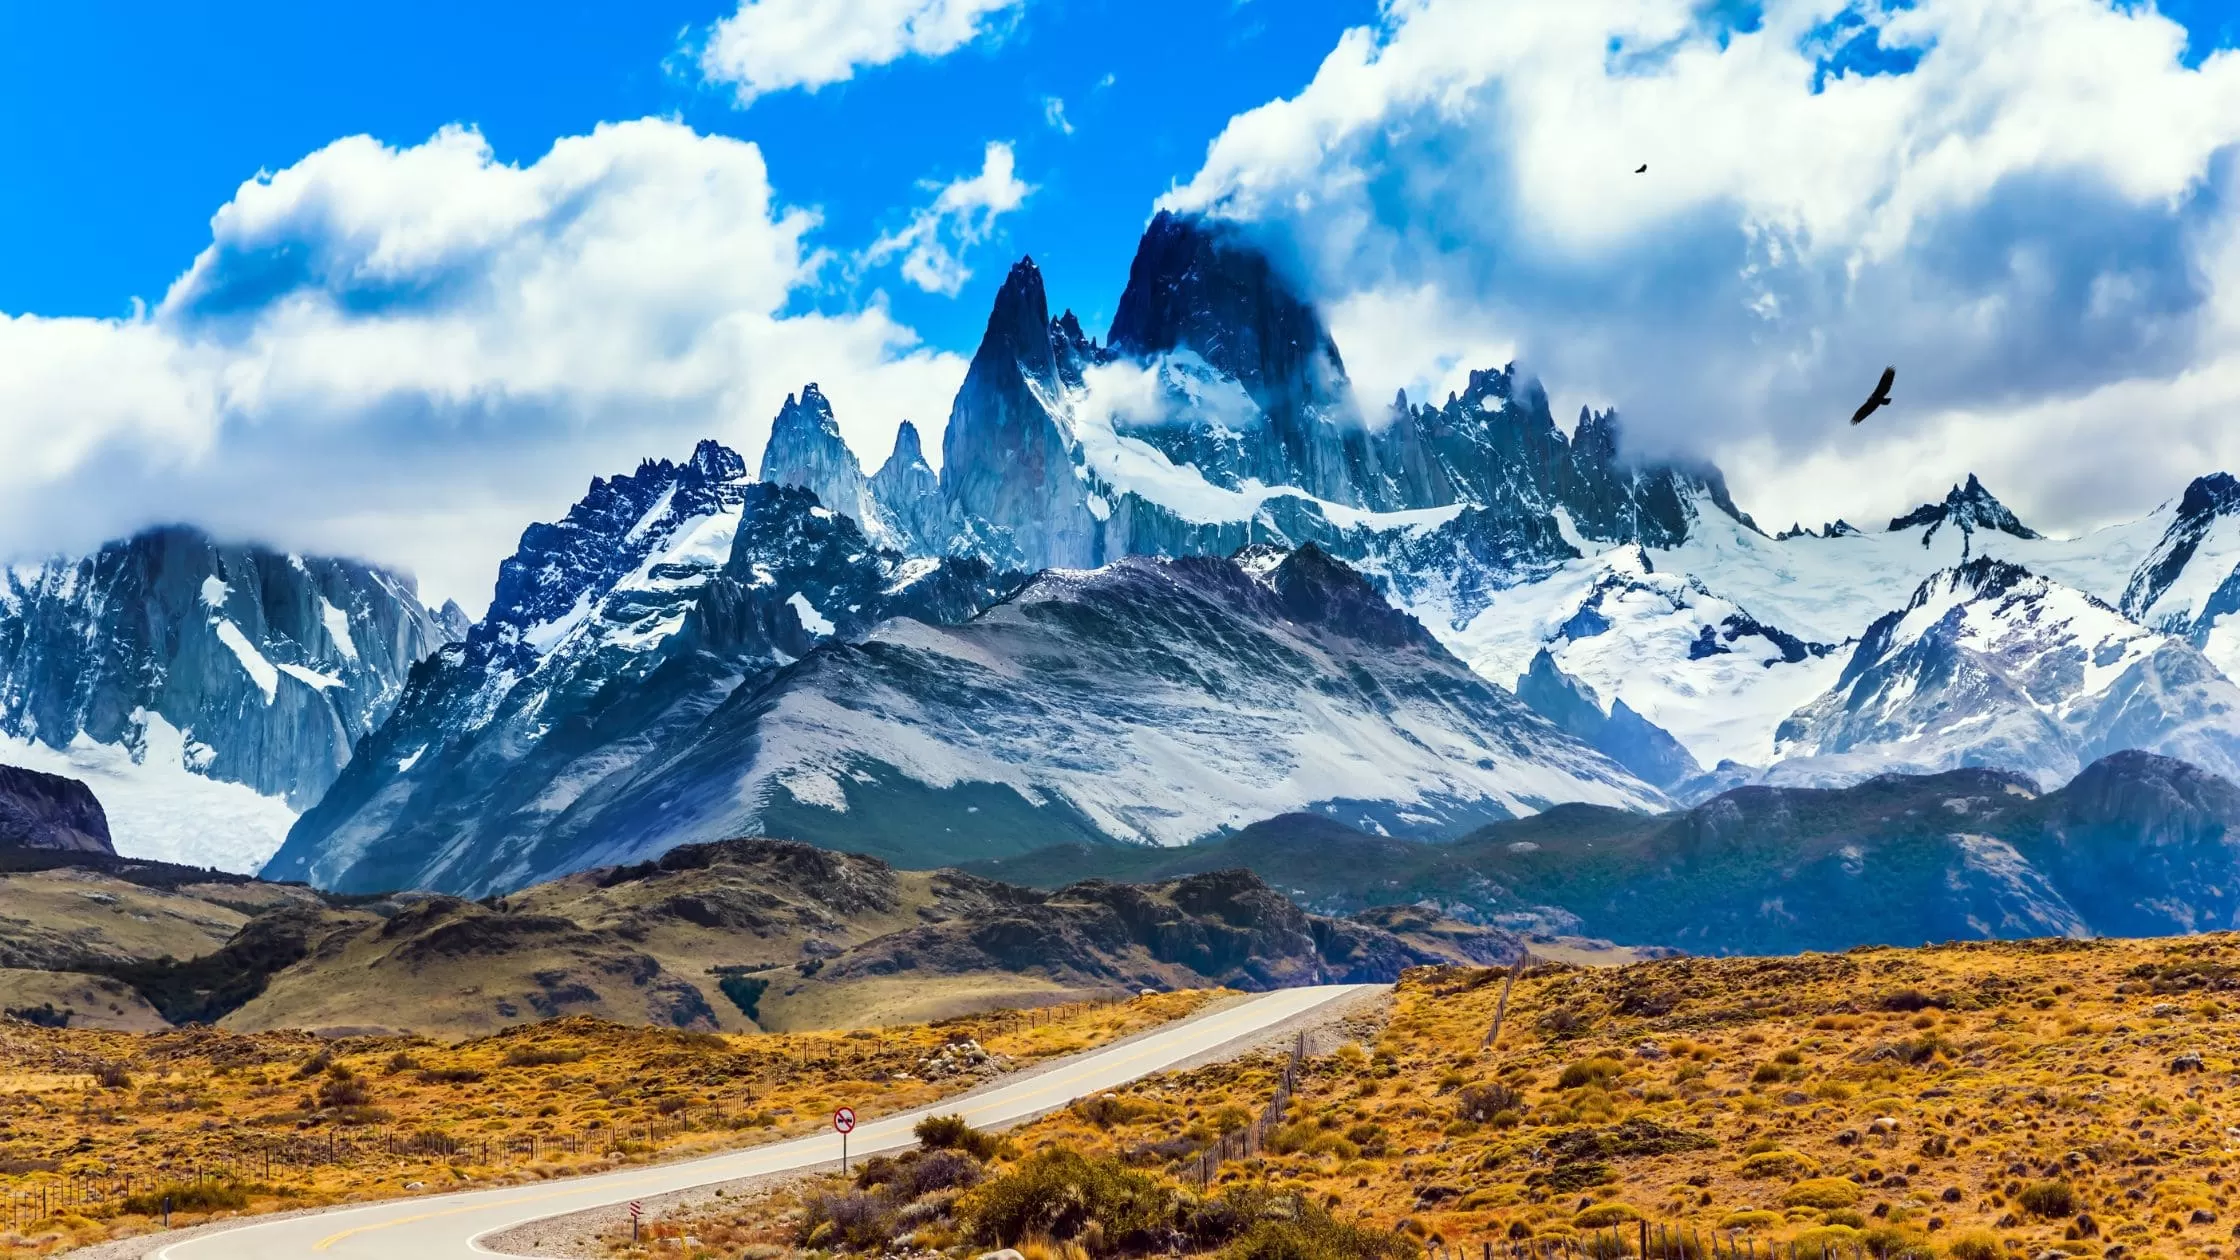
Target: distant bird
[1877, 400]
[1638, 169]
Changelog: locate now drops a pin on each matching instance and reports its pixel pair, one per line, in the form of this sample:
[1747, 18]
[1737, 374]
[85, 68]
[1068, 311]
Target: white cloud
[2033, 221]
[962, 214]
[410, 353]
[772, 45]
[1054, 114]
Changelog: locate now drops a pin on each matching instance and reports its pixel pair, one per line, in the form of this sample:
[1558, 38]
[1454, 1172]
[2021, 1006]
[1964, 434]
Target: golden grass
[189, 1102]
[1974, 1101]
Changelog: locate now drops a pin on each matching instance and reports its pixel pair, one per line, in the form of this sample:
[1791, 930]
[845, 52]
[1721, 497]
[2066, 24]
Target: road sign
[844, 1120]
[637, 1209]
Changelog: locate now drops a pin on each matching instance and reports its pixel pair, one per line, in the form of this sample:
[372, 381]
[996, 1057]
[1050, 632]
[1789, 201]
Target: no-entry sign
[844, 1120]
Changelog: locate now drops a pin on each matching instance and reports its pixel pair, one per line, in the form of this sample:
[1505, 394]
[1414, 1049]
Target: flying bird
[1877, 400]
[1638, 169]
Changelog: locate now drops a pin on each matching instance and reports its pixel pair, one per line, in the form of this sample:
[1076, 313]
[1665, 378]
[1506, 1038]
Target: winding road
[450, 1226]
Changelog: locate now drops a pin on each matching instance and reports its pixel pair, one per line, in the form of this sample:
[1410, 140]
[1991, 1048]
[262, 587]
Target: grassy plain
[96, 1127]
[1973, 1101]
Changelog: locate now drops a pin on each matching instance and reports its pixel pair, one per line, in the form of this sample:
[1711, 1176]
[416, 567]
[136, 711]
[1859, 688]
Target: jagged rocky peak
[1200, 284]
[2199, 541]
[1256, 388]
[908, 493]
[452, 619]
[617, 522]
[806, 450]
[1008, 457]
[1076, 351]
[1019, 327]
[2217, 494]
[1966, 508]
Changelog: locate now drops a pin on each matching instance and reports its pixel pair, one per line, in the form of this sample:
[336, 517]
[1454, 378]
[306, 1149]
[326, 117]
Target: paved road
[448, 1227]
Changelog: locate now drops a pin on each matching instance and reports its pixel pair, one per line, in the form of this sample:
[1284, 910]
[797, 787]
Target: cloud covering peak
[2026, 204]
[413, 351]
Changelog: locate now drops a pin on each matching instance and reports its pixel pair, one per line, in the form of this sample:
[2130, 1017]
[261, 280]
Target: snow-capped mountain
[205, 691]
[1154, 701]
[689, 582]
[1991, 665]
[2189, 584]
[652, 672]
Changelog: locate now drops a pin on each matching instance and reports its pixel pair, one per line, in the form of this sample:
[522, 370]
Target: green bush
[1316, 1236]
[1822, 1192]
[1595, 1071]
[1888, 1242]
[1825, 1240]
[2048, 1199]
[1779, 1163]
[1976, 1244]
[189, 1196]
[1057, 1193]
[951, 1133]
[1604, 1215]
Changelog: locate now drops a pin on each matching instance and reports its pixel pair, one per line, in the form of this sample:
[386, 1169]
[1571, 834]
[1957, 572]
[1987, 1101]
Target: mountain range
[2134, 845]
[1164, 586]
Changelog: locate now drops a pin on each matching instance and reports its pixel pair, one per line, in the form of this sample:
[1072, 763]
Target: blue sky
[393, 280]
[114, 175]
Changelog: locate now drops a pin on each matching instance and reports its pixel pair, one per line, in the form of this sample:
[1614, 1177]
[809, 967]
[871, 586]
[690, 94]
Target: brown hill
[732, 936]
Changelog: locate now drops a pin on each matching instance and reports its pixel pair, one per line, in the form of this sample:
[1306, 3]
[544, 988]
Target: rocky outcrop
[48, 811]
[1967, 509]
[1623, 735]
[1223, 928]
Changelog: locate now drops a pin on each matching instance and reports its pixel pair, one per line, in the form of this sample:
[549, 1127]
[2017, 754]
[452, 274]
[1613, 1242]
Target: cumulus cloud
[961, 215]
[2026, 205]
[772, 45]
[409, 353]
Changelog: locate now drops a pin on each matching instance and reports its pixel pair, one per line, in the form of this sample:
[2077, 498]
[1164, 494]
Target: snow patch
[214, 592]
[260, 670]
[545, 635]
[158, 807]
[337, 623]
[309, 677]
[811, 620]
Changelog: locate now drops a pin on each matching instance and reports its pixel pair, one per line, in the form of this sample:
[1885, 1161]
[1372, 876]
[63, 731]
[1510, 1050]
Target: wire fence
[1246, 1142]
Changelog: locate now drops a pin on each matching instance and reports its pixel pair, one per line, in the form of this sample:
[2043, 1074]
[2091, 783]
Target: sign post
[636, 1209]
[844, 1120]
